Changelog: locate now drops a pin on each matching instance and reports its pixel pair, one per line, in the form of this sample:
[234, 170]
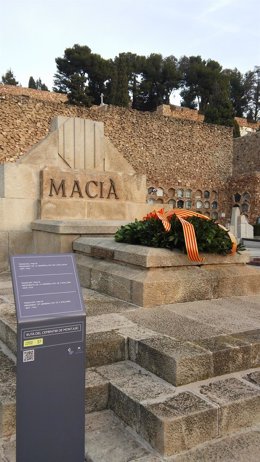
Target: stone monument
[74, 182]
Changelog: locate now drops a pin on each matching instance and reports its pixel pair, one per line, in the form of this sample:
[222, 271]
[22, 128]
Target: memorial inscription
[92, 189]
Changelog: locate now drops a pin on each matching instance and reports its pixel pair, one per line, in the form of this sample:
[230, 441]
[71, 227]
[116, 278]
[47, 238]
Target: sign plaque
[50, 422]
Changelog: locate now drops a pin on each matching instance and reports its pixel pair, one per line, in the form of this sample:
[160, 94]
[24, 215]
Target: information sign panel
[50, 359]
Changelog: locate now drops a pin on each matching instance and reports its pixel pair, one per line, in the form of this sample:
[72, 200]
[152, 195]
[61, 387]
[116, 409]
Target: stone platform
[148, 276]
[179, 382]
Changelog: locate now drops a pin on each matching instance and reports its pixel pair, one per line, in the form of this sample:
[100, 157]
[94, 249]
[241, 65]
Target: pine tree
[9, 78]
[32, 83]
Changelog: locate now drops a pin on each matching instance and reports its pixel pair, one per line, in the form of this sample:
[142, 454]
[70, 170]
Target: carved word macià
[92, 189]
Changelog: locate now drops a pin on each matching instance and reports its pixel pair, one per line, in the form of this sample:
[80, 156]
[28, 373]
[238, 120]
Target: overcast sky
[35, 32]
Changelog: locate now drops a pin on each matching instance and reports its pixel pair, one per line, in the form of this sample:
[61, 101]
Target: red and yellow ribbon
[188, 230]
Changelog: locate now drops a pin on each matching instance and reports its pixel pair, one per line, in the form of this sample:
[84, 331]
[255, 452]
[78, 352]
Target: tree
[32, 83]
[219, 110]
[199, 78]
[9, 79]
[81, 74]
[238, 91]
[253, 78]
[159, 77]
[38, 85]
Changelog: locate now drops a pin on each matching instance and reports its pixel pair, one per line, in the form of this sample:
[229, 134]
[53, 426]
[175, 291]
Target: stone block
[17, 214]
[234, 279]
[131, 385]
[4, 250]
[107, 439]
[105, 210]
[252, 338]
[20, 242]
[151, 257]
[239, 404]
[59, 209]
[104, 348]
[7, 399]
[46, 242]
[97, 388]
[20, 182]
[253, 377]
[176, 362]
[228, 354]
[178, 423]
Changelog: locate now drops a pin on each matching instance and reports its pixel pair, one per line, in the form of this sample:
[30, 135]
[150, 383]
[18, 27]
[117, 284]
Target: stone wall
[247, 153]
[175, 154]
[167, 150]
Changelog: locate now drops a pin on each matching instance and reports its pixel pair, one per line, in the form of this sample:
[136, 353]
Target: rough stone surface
[108, 440]
[129, 387]
[229, 354]
[7, 396]
[104, 348]
[177, 362]
[236, 448]
[179, 423]
[252, 338]
[96, 392]
[239, 404]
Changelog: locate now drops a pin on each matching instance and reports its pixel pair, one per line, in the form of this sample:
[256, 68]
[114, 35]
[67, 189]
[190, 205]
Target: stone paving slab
[229, 315]
[109, 440]
[242, 447]
[172, 324]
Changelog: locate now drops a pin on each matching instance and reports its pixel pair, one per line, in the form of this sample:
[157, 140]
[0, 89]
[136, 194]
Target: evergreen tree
[32, 83]
[219, 110]
[81, 74]
[159, 77]
[9, 79]
[199, 78]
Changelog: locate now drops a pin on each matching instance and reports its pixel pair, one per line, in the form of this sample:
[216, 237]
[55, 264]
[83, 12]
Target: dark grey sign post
[50, 359]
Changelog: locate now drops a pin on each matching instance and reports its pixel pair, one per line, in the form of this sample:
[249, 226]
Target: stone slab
[228, 354]
[176, 362]
[97, 391]
[241, 447]
[130, 386]
[149, 257]
[78, 227]
[108, 440]
[252, 338]
[172, 324]
[104, 348]
[239, 403]
[179, 423]
[234, 314]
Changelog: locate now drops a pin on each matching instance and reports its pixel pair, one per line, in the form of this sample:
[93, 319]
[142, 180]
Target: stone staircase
[153, 397]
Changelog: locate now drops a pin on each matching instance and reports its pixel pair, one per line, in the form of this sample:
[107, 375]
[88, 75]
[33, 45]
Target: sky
[35, 32]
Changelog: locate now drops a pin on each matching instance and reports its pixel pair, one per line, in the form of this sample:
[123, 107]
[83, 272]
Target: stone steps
[117, 443]
[178, 362]
[170, 419]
